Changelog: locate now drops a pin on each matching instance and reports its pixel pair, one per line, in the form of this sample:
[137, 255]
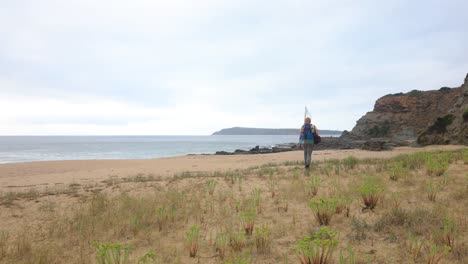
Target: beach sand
[17, 176]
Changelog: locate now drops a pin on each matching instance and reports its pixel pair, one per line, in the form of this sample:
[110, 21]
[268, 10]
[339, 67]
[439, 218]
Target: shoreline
[46, 174]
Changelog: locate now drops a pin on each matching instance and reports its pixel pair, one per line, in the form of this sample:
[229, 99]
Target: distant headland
[268, 131]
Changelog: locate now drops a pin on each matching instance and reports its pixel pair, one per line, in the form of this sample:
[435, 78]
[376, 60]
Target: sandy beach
[16, 176]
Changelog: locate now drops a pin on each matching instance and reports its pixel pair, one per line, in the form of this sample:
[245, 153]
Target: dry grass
[256, 215]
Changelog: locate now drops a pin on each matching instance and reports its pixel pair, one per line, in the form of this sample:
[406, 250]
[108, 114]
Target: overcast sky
[108, 67]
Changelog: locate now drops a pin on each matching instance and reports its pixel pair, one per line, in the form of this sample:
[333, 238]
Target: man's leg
[305, 154]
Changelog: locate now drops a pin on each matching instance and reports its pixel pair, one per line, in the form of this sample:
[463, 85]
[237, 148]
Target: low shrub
[432, 190]
[248, 221]
[111, 253]
[148, 258]
[323, 209]
[237, 240]
[436, 167]
[350, 162]
[318, 248]
[397, 217]
[312, 186]
[221, 244]
[193, 237]
[256, 199]
[349, 259]
[262, 239]
[397, 171]
[370, 193]
[415, 247]
[343, 203]
[448, 232]
[211, 186]
[360, 228]
[436, 253]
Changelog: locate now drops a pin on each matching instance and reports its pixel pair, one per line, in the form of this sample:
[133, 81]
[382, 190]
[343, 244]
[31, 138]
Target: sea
[42, 148]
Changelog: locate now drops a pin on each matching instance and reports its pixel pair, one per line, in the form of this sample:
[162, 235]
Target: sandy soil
[41, 198]
[18, 176]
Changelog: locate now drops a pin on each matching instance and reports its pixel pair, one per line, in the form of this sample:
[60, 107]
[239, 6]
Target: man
[306, 138]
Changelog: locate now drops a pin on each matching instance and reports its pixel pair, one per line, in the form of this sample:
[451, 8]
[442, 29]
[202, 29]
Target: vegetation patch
[370, 193]
[379, 130]
[323, 209]
[225, 217]
[318, 248]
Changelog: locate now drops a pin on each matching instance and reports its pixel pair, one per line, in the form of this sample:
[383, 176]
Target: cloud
[150, 67]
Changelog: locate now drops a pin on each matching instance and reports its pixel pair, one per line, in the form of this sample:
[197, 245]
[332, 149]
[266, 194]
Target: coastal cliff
[422, 117]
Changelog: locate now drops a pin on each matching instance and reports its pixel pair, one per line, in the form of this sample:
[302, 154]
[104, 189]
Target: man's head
[307, 120]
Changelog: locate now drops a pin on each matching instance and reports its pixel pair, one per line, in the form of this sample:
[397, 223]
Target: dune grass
[411, 207]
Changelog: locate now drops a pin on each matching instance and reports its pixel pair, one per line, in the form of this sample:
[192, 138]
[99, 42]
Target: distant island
[268, 131]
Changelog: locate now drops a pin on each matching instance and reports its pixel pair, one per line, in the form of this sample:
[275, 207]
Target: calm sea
[39, 148]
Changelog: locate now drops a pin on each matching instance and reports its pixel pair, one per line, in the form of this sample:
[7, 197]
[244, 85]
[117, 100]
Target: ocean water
[41, 148]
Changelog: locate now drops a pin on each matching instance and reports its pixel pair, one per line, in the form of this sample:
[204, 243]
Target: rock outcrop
[326, 143]
[418, 117]
[451, 128]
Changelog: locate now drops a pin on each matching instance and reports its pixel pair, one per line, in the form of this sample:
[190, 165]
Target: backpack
[310, 134]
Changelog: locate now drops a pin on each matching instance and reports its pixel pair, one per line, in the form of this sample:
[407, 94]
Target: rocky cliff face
[451, 128]
[429, 117]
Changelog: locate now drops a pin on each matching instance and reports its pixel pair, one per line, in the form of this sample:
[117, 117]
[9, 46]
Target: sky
[179, 67]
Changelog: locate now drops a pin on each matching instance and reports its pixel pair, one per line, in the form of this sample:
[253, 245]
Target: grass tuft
[370, 193]
[323, 209]
[317, 249]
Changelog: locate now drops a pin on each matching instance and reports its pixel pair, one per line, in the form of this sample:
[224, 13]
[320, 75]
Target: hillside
[268, 131]
[425, 117]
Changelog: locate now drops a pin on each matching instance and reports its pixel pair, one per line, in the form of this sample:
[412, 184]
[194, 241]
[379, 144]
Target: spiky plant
[211, 186]
[350, 162]
[449, 232]
[415, 246]
[397, 170]
[248, 221]
[436, 253]
[161, 217]
[312, 186]
[370, 193]
[221, 244]
[256, 199]
[435, 167]
[317, 249]
[323, 209]
[148, 258]
[343, 203]
[262, 239]
[111, 253]
[432, 190]
[349, 259]
[237, 240]
[192, 237]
